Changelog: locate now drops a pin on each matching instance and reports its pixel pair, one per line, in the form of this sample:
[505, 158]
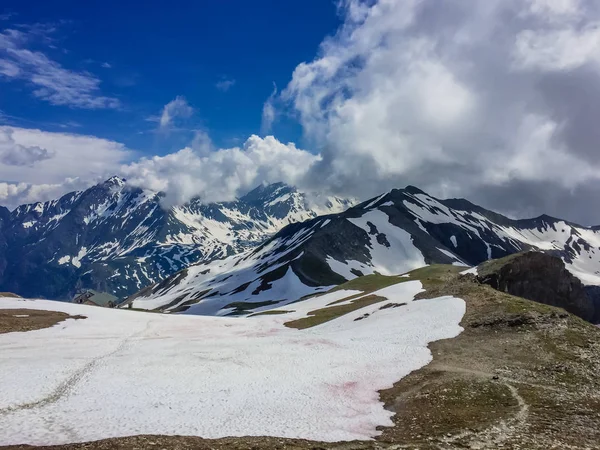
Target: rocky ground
[522, 375]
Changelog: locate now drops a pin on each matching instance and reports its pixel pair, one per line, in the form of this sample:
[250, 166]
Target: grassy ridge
[320, 316]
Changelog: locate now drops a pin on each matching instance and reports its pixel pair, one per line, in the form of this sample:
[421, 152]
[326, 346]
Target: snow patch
[400, 255]
[64, 260]
[76, 260]
[372, 203]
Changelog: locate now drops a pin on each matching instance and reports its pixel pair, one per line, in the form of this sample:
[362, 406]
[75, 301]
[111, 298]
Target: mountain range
[118, 239]
[391, 234]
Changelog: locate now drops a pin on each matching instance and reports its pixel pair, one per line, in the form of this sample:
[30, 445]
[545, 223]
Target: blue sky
[221, 56]
[495, 101]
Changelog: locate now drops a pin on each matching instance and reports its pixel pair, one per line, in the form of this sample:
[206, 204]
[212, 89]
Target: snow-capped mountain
[391, 234]
[118, 239]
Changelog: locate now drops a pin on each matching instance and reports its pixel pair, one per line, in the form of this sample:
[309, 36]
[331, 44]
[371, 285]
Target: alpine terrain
[118, 239]
[363, 329]
[262, 273]
[390, 234]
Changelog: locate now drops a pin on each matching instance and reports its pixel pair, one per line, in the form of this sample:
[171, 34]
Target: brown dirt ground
[35, 320]
[521, 376]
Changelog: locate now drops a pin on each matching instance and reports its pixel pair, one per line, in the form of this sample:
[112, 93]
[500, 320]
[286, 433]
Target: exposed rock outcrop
[542, 278]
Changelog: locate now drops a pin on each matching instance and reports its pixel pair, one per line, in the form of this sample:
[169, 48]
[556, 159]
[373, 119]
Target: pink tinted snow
[120, 373]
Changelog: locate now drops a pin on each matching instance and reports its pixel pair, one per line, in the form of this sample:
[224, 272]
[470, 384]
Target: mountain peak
[413, 190]
[372, 238]
[547, 218]
[265, 192]
[111, 229]
[115, 181]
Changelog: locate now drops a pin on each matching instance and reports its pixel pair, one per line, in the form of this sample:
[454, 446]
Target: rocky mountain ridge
[542, 278]
[391, 234]
[116, 238]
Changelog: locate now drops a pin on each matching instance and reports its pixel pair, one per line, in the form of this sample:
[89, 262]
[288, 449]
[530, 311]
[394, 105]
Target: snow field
[120, 373]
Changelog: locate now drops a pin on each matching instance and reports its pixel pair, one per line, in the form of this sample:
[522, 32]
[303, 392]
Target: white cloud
[496, 101]
[461, 98]
[51, 81]
[555, 9]
[269, 112]
[14, 194]
[38, 165]
[9, 69]
[222, 174]
[562, 49]
[13, 154]
[177, 108]
[225, 84]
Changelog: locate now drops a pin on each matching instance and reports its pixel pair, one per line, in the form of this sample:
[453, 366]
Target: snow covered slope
[391, 234]
[317, 383]
[118, 239]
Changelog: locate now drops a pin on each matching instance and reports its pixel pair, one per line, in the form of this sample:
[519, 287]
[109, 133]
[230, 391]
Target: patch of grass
[320, 316]
[517, 305]
[245, 307]
[449, 403]
[493, 265]
[435, 274]
[141, 310]
[21, 320]
[271, 312]
[345, 299]
[370, 283]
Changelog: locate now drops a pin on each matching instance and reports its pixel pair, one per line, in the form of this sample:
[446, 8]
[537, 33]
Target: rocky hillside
[542, 278]
[522, 375]
[118, 239]
[391, 234]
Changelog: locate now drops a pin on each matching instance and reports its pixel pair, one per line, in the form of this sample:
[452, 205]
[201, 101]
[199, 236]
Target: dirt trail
[521, 375]
[496, 435]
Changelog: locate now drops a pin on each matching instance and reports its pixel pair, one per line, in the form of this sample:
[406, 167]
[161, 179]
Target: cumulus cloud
[460, 98]
[269, 112]
[13, 154]
[14, 194]
[220, 175]
[177, 108]
[496, 101]
[37, 165]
